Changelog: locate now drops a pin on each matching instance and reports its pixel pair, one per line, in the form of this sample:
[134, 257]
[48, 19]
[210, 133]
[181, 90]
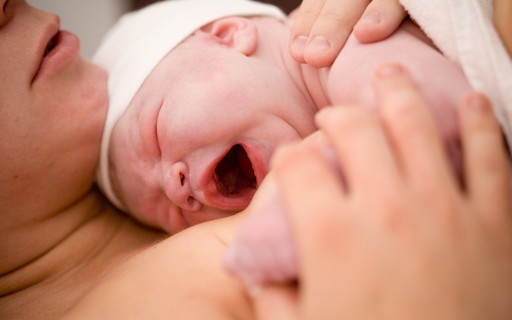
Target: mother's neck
[48, 264]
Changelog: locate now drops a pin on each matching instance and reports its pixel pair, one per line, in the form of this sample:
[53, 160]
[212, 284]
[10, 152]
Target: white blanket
[464, 32]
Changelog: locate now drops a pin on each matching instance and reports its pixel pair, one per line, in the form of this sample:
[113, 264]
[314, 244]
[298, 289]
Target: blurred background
[92, 18]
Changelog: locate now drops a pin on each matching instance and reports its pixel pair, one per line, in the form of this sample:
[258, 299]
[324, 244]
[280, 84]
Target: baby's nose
[178, 188]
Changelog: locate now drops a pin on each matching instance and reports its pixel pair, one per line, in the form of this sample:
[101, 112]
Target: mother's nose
[178, 189]
[4, 15]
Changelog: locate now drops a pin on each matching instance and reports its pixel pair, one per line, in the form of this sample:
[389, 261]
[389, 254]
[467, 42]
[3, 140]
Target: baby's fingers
[380, 19]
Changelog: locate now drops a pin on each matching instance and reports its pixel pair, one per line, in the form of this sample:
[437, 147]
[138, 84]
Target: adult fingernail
[371, 17]
[299, 43]
[319, 43]
[477, 102]
[389, 70]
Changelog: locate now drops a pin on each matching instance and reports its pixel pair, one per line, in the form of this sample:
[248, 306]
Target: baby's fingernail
[299, 43]
[389, 70]
[371, 17]
[319, 43]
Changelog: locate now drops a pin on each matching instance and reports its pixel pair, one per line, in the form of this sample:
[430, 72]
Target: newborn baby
[263, 250]
[203, 91]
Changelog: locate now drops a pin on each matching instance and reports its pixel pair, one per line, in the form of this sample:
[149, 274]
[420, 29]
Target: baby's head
[195, 111]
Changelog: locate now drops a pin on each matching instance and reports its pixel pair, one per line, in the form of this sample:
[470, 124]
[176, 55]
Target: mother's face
[52, 108]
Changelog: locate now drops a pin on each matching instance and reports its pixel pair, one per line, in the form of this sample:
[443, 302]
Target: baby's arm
[440, 80]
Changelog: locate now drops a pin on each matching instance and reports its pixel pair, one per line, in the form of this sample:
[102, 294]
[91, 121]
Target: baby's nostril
[190, 201]
[182, 179]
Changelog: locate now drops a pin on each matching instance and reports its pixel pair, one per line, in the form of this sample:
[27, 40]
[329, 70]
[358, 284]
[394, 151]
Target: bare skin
[321, 27]
[380, 247]
[195, 110]
[503, 22]
[64, 248]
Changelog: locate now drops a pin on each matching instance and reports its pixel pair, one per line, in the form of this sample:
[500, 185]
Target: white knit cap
[140, 40]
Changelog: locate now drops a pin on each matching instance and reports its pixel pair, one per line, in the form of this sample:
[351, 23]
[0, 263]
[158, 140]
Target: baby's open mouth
[234, 175]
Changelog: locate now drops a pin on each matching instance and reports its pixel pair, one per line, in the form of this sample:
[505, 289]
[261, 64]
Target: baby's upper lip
[217, 195]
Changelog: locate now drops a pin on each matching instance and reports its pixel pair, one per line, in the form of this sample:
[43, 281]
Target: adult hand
[321, 27]
[399, 238]
[503, 22]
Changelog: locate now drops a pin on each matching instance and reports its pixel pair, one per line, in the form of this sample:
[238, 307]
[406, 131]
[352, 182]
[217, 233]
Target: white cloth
[141, 39]
[464, 32]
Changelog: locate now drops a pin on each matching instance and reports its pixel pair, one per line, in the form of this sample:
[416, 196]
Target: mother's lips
[51, 44]
[57, 51]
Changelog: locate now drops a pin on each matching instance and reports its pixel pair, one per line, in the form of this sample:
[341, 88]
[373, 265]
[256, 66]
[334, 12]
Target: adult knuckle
[333, 17]
[352, 121]
[405, 115]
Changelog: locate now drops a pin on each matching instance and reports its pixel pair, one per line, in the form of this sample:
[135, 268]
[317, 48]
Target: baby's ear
[234, 32]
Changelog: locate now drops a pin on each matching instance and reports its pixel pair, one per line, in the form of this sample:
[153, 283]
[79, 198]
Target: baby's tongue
[235, 174]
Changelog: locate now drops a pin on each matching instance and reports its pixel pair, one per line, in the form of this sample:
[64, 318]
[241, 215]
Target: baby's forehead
[185, 65]
[166, 75]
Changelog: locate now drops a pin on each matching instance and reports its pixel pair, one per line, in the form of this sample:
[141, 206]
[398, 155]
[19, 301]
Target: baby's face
[196, 141]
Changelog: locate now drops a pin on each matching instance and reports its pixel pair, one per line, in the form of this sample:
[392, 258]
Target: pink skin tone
[196, 107]
[249, 257]
[191, 112]
[321, 27]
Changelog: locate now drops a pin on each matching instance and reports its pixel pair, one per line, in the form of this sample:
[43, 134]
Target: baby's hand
[263, 250]
[321, 27]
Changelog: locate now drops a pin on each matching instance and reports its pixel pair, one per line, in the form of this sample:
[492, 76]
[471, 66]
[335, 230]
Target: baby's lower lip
[258, 164]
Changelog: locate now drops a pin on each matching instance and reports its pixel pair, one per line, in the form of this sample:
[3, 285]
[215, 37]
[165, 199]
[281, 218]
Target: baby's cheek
[263, 250]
